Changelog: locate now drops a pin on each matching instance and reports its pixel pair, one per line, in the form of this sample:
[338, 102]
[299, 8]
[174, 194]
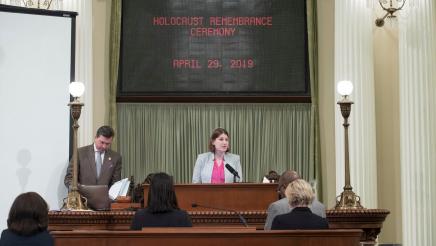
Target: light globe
[345, 87]
[76, 89]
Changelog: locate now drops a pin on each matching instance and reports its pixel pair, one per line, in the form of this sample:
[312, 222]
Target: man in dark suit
[91, 169]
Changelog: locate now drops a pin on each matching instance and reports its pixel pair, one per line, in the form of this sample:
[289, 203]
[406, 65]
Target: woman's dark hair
[28, 214]
[215, 134]
[161, 195]
[147, 179]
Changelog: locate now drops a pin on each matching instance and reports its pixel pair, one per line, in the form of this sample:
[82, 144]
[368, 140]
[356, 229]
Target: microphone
[244, 222]
[232, 170]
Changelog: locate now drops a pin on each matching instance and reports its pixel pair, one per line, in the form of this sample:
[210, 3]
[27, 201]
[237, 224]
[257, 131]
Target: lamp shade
[345, 87]
[76, 89]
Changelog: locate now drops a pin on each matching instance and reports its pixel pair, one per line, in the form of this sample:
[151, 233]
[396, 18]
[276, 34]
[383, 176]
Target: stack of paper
[119, 188]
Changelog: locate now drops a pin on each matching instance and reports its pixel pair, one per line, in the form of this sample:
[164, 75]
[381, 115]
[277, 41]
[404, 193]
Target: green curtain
[168, 137]
[315, 150]
[114, 57]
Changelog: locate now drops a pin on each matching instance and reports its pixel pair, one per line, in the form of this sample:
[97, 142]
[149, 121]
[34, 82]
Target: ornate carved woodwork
[194, 236]
[369, 220]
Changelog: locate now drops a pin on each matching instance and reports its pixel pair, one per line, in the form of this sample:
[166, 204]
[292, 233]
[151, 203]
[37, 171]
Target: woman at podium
[218, 166]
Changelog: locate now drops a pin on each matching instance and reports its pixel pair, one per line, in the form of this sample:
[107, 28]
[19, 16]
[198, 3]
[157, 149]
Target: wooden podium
[225, 201]
[225, 197]
[220, 204]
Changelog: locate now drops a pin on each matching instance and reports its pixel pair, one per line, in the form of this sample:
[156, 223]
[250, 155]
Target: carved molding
[368, 220]
[121, 220]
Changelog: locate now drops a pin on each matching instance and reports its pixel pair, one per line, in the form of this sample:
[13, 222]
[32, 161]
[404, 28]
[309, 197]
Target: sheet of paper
[119, 188]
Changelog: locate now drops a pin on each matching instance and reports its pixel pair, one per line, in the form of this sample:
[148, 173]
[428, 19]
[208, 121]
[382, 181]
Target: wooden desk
[369, 220]
[250, 200]
[191, 236]
[121, 220]
[236, 196]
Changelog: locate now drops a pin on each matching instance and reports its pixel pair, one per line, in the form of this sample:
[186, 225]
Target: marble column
[84, 65]
[354, 62]
[417, 64]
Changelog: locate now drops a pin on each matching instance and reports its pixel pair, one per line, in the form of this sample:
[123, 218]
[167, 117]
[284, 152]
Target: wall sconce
[74, 201]
[388, 6]
[347, 199]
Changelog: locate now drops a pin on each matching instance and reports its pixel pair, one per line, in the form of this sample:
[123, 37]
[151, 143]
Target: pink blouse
[218, 173]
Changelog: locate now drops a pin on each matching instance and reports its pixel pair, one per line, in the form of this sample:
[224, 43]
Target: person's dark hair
[273, 176]
[147, 179]
[105, 131]
[215, 134]
[28, 214]
[161, 195]
[285, 179]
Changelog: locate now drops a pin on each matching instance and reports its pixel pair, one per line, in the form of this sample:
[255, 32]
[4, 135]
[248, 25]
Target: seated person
[162, 209]
[139, 190]
[282, 206]
[271, 177]
[214, 166]
[300, 196]
[27, 222]
[147, 179]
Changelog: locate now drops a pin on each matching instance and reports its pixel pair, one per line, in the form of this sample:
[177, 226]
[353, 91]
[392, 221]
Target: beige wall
[386, 94]
[388, 129]
[327, 105]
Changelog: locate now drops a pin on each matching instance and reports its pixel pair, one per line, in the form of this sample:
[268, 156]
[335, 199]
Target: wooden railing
[208, 236]
[249, 200]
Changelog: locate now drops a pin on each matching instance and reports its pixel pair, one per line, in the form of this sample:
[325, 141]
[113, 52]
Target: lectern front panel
[236, 196]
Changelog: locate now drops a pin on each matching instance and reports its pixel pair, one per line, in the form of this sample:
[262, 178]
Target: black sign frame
[192, 93]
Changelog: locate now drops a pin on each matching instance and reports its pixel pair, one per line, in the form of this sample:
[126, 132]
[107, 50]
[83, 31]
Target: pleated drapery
[417, 60]
[354, 61]
[168, 137]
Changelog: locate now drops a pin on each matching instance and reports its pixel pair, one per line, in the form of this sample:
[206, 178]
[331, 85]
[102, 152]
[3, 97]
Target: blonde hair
[299, 193]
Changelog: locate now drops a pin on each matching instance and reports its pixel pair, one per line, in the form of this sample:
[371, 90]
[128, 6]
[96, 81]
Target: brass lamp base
[74, 201]
[348, 200]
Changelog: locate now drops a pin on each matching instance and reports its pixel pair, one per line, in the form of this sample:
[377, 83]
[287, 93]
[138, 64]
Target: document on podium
[119, 188]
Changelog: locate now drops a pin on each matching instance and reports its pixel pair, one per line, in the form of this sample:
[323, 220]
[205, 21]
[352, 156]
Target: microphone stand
[232, 171]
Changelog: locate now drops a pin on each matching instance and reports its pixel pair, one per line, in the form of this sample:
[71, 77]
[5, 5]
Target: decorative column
[417, 64]
[84, 64]
[354, 62]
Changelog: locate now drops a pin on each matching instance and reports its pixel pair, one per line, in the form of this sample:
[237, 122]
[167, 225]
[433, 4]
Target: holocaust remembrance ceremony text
[214, 26]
